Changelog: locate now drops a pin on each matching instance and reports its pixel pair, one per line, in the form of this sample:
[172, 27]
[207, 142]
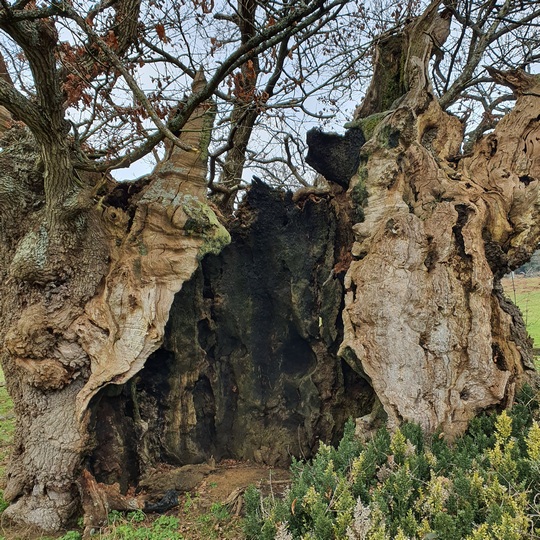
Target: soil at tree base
[223, 489]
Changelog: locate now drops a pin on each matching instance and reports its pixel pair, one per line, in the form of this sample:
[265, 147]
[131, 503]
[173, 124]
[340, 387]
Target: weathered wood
[425, 319]
[99, 499]
[97, 289]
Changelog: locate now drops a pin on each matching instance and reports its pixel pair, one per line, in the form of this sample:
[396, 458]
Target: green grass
[529, 304]
[133, 526]
[525, 292]
[7, 424]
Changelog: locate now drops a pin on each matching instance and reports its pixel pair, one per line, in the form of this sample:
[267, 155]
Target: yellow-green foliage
[133, 527]
[409, 487]
[533, 442]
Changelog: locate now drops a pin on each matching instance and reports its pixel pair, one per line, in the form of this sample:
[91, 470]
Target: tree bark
[85, 303]
[248, 369]
[245, 110]
[425, 319]
[88, 288]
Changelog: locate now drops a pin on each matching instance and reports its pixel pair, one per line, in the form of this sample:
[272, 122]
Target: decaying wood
[95, 320]
[99, 499]
[88, 286]
[424, 318]
[235, 501]
[172, 228]
[400, 60]
[180, 479]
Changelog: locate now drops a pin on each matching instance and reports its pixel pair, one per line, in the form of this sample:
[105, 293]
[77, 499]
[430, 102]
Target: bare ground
[199, 510]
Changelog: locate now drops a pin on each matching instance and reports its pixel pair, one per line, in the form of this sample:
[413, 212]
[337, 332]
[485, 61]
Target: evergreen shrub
[407, 486]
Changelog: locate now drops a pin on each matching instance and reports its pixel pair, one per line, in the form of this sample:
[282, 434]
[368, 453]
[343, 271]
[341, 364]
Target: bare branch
[290, 163]
[139, 95]
[19, 106]
[11, 15]
[476, 53]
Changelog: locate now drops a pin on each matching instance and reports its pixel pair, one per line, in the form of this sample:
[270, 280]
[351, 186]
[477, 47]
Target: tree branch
[39, 39]
[476, 53]
[176, 62]
[11, 15]
[20, 107]
[290, 25]
[139, 95]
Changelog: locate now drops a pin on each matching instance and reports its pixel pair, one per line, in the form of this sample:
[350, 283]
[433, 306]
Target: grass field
[525, 292]
[7, 425]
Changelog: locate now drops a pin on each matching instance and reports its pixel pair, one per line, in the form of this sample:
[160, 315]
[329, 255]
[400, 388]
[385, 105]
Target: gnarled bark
[88, 287]
[424, 316]
[73, 330]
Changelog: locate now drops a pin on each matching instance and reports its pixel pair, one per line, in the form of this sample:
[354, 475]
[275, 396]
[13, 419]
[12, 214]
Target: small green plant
[136, 517]
[189, 502]
[3, 503]
[219, 512]
[115, 517]
[129, 527]
[71, 535]
[212, 522]
[407, 486]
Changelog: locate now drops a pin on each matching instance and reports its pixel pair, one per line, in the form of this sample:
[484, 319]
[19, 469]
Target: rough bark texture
[71, 330]
[249, 365]
[249, 368]
[425, 319]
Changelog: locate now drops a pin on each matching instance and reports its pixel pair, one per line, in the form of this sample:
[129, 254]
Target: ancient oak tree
[377, 295]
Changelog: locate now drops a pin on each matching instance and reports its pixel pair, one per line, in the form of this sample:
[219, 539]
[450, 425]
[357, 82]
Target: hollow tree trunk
[86, 297]
[85, 301]
[425, 319]
[248, 369]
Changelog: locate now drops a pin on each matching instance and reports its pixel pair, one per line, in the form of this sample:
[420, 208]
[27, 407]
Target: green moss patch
[359, 197]
[368, 124]
[202, 221]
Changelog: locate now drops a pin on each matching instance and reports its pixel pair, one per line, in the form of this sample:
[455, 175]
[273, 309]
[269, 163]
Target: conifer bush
[406, 486]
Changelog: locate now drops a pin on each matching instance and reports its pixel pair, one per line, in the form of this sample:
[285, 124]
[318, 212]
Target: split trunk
[138, 330]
